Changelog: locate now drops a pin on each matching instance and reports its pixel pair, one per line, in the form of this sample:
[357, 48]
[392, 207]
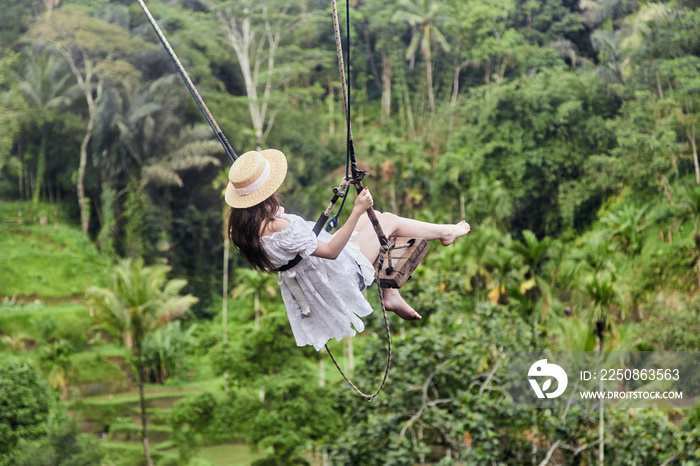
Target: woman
[322, 278]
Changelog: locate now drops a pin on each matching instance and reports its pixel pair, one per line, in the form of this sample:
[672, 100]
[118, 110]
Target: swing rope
[388, 359]
[188, 82]
[334, 222]
[385, 244]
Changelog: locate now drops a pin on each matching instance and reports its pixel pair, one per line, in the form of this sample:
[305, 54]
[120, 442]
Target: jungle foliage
[565, 133]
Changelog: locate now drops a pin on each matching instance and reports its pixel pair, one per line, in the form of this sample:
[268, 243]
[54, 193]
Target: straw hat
[254, 177]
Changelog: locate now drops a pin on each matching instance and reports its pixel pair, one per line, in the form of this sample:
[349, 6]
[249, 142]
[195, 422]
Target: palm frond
[160, 175]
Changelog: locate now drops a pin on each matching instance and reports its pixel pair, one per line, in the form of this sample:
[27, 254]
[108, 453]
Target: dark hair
[244, 227]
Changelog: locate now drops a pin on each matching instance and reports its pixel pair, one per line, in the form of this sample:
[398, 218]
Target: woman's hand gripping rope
[363, 201]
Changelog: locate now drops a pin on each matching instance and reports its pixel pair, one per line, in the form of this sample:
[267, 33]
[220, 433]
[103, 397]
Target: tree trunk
[487, 77]
[421, 455]
[455, 80]
[331, 108]
[455, 85]
[142, 403]
[83, 202]
[386, 87]
[242, 40]
[429, 78]
[409, 113]
[392, 196]
[22, 170]
[321, 372]
[227, 247]
[40, 168]
[256, 307]
[351, 358]
[535, 326]
[601, 416]
[85, 84]
[105, 237]
[64, 392]
[691, 138]
[370, 52]
[601, 429]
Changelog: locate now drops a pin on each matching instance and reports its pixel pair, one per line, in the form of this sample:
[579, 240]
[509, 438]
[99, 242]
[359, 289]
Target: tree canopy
[565, 133]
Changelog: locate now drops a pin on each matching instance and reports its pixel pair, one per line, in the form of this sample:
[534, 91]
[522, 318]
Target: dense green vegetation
[566, 133]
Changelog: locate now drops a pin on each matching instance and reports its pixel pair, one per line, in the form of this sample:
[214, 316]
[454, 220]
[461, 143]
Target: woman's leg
[392, 224]
[363, 221]
[394, 302]
[400, 226]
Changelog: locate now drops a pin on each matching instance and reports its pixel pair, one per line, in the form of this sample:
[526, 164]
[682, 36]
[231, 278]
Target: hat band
[257, 183]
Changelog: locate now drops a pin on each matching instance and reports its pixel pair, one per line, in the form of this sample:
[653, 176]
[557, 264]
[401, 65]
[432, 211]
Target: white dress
[323, 297]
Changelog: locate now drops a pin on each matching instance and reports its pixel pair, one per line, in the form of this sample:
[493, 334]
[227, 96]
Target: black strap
[290, 264]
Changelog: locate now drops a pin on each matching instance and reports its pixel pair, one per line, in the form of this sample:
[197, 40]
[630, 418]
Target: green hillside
[44, 257]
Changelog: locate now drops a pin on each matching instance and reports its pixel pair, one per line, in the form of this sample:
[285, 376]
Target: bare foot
[452, 232]
[395, 303]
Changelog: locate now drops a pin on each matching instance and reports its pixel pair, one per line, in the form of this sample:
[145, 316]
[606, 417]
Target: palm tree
[626, 227]
[689, 206]
[615, 44]
[600, 288]
[192, 149]
[424, 19]
[256, 284]
[56, 356]
[689, 210]
[145, 146]
[259, 285]
[132, 123]
[594, 256]
[489, 201]
[612, 61]
[15, 342]
[573, 335]
[91, 47]
[471, 258]
[576, 335]
[596, 12]
[48, 86]
[141, 300]
[164, 351]
[534, 254]
[506, 271]
[590, 273]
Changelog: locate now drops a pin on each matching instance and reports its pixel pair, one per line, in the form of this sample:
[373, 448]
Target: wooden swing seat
[400, 263]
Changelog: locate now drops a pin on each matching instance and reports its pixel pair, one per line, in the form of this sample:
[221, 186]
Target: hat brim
[278, 171]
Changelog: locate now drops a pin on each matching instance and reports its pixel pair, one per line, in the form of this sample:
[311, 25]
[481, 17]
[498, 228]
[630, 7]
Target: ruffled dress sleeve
[283, 246]
[323, 297]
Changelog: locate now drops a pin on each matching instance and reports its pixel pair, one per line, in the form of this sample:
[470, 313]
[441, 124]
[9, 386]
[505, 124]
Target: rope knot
[387, 247]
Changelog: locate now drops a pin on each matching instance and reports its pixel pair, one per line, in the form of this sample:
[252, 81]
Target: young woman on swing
[321, 279]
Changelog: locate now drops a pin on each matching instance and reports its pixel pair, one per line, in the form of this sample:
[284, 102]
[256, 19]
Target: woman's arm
[332, 250]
